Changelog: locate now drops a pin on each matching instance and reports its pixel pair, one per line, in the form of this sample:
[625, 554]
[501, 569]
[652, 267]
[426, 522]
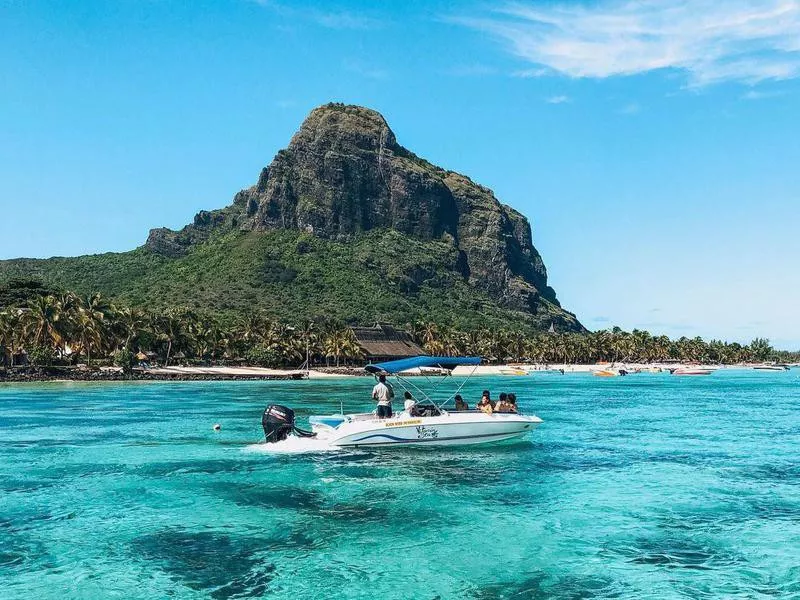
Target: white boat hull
[448, 429]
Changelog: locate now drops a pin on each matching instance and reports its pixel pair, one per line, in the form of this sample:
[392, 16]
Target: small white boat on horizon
[693, 371]
[771, 368]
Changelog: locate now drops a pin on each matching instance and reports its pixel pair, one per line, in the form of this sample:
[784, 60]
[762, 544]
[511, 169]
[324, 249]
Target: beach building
[383, 342]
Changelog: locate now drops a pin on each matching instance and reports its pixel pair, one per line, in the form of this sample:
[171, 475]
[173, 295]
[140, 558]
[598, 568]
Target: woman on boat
[485, 404]
[460, 404]
[502, 405]
[408, 402]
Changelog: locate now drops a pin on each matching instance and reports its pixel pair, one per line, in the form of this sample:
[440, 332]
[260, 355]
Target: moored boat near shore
[693, 371]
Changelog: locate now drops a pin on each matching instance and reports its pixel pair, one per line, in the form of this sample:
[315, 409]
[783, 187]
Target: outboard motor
[278, 423]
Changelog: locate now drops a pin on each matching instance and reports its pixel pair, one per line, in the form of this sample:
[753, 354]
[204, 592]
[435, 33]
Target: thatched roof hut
[383, 342]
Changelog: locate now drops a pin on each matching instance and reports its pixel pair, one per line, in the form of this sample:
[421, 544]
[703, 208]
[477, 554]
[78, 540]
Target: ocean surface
[648, 486]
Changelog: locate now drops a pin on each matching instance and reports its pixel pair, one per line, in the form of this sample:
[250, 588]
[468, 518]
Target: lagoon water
[645, 486]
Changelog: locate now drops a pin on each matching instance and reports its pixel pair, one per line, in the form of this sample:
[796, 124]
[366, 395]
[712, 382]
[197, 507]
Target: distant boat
[771, 368]
[692, 371]
[610, 373]
[606, 373]
[513, 371]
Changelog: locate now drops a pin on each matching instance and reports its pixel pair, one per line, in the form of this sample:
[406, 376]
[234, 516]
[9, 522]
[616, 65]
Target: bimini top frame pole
[447, 363]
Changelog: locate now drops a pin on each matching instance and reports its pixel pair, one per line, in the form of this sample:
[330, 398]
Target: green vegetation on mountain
[380, 275]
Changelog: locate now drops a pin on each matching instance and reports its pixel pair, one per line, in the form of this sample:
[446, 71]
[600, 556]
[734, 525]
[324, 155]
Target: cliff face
[344, 173]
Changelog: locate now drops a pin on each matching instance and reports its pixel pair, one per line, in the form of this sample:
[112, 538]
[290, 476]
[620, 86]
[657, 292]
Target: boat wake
[294, 445]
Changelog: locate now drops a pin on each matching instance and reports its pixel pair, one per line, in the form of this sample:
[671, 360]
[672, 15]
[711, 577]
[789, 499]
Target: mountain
[344, 223]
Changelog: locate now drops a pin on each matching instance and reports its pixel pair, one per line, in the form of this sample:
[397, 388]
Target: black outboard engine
[278, 423]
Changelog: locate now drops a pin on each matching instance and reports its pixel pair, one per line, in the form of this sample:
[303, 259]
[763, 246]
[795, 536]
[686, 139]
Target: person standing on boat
[383, 393]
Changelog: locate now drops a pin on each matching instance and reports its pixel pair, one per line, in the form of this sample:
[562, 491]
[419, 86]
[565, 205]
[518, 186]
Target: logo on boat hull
[424, 432]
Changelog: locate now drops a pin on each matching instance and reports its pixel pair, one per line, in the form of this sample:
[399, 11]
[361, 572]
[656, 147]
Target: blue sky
[654, 146]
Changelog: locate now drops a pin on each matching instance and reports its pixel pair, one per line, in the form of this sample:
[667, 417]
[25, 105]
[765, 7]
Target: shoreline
[187, 373]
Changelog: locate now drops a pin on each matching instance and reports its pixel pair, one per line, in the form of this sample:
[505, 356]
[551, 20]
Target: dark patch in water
[20, 553]
[544, 587]
[568, 457]
[24, 485]
[296, 498]
[355, 512]
[223, 565]
[357, 472]
[732, 514]
[457, 472]
[770, 507]
[677, 552]
[204, 467]
[771, 473]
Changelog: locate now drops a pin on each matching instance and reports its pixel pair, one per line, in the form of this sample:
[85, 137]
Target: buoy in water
[217, 427]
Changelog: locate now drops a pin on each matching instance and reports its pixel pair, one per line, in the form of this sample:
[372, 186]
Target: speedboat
[421, 423]
[692, 371]
[514, 371]
[771, 368]
[605, 373]
[610, 373]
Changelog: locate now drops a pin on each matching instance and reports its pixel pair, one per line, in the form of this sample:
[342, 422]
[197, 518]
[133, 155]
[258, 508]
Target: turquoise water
[646, 486]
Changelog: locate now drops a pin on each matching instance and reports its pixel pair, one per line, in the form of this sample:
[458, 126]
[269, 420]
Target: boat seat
[425, 410]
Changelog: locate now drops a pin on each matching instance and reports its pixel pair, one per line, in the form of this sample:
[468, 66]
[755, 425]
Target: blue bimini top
[404, 364]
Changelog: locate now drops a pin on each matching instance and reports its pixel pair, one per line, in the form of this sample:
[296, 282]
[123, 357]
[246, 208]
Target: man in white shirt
[383, 393]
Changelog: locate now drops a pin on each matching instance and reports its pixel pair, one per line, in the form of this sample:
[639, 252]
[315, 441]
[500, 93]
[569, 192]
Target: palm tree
[307, 333]
[88, 328]
[334, 344]
[172, 328]
[9, 332]
[43, 325]
[127, 325]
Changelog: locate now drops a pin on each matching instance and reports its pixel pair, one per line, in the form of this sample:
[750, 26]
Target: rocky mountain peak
[343, 173]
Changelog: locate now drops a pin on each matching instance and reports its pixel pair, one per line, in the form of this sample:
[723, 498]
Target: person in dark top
[512, 403]
[502, 404]
[460, 404]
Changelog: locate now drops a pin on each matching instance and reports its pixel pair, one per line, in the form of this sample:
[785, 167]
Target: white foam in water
[294, 445]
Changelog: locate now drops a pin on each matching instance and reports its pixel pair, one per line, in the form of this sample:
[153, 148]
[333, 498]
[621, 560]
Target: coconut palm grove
[65, 330]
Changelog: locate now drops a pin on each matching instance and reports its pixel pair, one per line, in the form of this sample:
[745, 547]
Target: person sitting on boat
[383, 393]
[485, 404]
[409, 403]
[512, 403]
[502, 404]
[460, 404]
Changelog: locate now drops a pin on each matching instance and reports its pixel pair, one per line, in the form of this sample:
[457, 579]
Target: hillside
[344, 223]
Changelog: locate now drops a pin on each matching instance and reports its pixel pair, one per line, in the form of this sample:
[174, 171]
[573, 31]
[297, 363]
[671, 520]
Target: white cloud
[471, 70]
[558, 100]
[344, 20]
[330, 19]
[365, 70]
[631, 108]
[712, 41]
[759, 95]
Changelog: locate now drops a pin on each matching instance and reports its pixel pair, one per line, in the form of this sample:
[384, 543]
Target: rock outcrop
[344, 173]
